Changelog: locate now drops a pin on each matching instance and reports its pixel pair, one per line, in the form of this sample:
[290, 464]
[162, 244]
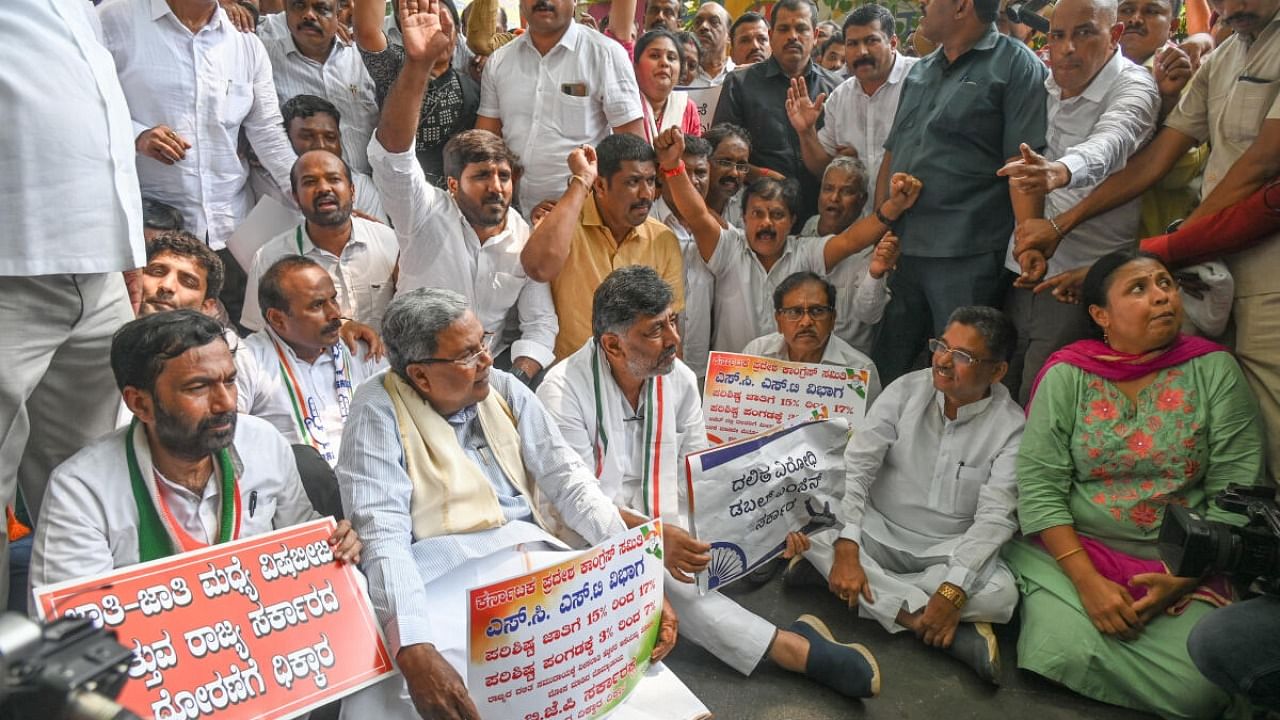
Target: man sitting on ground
[164, 484]
[804, 306]
[629, 371]
[443, 429]
[360, 255]
[931, 498]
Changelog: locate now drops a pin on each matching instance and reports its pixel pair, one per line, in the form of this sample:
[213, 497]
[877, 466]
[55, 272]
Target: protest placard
[746, 395]
[571, 640]
[744, 497]
[262, 628]
[705, 98]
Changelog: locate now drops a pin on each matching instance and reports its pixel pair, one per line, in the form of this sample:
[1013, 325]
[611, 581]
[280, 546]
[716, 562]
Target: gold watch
[954, 594]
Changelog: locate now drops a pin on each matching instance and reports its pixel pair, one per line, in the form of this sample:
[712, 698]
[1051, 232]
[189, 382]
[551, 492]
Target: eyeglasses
[727, 164]
[817, 312]
[961, 357]
[468, 361]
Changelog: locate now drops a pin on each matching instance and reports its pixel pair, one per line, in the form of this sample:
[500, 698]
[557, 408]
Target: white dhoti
[447, 595]
[905, 580]
[722, 627]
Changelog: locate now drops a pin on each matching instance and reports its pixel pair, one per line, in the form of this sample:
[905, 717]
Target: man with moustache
[804, 306]
[1232, 103]
[665, 14]
[856, 116]
[962, 113]
[730, 166]
[931, 498]
[556, 87]
[467, 237]
[360, 255]
[748, 264]
[309, 58]
[756, 98]
[606, 399]
[188, 472]
[840, 201]
[314, 375]
[1102, 108]
[602, 223]
[749, 39]
[711, 25]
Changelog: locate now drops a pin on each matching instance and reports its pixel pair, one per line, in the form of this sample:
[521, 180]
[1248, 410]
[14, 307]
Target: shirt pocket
[380, 295]
[1246, 108]
[574, 114]
[968, 113]
[237, 101]
[961, 498]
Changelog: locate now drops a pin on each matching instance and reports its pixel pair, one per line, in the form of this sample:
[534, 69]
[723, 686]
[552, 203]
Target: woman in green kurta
[1117, 430]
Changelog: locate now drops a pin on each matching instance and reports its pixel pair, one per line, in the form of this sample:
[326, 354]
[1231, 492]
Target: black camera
[1192, 546]
[66, 670]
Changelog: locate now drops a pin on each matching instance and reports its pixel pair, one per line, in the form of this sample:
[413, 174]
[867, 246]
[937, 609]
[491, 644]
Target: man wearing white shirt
[841, 197]
[73, 222]
[308, 58]
[699, 283]
[314, 374]
[555, 88]
[607, 398]
[931, 498]
[748, 264]
[313, 123]
[857, 115]
[360, 255]
[711, 25]
[468, 239]
[164, 485]
[804, 305]
[193, 82]
[1101, 108]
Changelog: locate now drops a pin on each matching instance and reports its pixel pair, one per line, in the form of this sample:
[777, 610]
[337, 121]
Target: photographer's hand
[1163, 590]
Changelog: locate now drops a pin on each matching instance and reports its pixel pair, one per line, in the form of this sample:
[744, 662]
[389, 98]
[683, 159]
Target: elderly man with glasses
[931, 497]
[804, 306]
[452, 467]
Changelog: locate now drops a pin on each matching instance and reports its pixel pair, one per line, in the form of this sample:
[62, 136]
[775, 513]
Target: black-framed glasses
[468, 361]
[961, 357]
[727, 164]
[817, 312]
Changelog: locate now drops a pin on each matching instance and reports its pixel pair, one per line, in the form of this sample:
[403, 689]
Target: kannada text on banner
[571, 640]
[746, 394]
[264, 628]
[747, 495]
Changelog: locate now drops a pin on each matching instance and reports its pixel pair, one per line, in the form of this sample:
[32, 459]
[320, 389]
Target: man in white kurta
[188, 448]
[931, 497]
[631, 410]
[309, 370]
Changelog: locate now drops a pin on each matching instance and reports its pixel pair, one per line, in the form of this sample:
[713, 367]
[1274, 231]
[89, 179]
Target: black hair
[619, 148]
[184, 244]
[304, 106]
[160, 216]
[826, 44]
[794, 5]
[995, 327]
[653, 36]
[696, 146]
[1097, 282]
[864, 15]
[141, 347]
[270, 294]
[746, 18]
[804, 277]
[687, 38]
[765, 188]
[476, 146]
[719, 132]
[625, 295]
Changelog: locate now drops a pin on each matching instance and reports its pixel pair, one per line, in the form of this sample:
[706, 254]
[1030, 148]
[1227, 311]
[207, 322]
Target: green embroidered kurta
[1093, 459]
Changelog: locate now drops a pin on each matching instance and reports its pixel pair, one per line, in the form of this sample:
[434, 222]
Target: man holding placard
[931, 497]
[187, 473]
[631, 409]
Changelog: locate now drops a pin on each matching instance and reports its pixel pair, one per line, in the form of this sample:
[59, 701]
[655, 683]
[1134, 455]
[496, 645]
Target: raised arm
[904, 189]
[622, 21]
[699, 219]
[426, 31]
[803, 114]
[367, 18]
[544, 255]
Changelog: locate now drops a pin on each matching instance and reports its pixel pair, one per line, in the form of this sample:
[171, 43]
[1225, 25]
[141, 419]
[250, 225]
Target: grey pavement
[918, 682]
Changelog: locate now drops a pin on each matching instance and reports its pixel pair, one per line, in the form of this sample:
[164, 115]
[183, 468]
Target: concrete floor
[918, 683]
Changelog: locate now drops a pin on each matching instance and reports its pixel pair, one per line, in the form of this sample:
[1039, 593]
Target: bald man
[711, 25]
[1101, 108]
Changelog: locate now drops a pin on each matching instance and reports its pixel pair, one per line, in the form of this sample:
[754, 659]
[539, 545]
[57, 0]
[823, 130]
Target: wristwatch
[519, 374]
[954, 594]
